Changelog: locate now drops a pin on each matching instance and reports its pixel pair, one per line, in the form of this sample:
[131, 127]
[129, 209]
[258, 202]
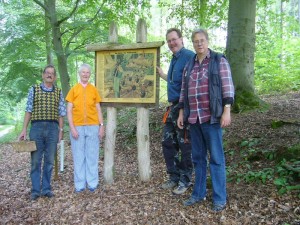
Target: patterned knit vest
[45, 104]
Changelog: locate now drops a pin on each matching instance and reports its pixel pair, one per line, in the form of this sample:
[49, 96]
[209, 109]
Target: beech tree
[241, 43]
[62, 46]
[240, 51]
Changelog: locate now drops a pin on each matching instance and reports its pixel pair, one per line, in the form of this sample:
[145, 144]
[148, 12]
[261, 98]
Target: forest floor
[130, 201]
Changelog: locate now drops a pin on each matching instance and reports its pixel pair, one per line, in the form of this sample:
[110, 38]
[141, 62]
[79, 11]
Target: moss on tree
[248, 101]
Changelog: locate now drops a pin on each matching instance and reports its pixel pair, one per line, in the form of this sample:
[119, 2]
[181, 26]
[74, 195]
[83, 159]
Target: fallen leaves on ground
[130, 201]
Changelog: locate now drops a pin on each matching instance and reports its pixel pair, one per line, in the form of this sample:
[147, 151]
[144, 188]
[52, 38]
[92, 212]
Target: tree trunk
[202, 13]
[58, 47]
[48, 40]
[241, 43]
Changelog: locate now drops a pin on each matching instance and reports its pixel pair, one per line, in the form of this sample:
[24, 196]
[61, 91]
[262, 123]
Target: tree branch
[41, 4]
[72, 12]
[78, 30]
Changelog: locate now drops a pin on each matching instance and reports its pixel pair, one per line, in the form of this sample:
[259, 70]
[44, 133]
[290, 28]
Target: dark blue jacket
[174, 78]
[214, 85]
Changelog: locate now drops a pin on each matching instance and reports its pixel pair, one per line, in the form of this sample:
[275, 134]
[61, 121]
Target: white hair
[85, 66]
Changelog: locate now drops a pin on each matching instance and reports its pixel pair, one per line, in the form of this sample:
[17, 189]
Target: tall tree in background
[50, 8]
[190, 14]
[73, 24]
[241, 47]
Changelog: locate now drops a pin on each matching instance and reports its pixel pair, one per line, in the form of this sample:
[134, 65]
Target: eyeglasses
[202, 41]
[172, 40]
[49, 73]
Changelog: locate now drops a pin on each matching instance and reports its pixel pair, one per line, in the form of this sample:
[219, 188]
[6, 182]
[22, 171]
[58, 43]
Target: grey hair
[200, 31]
[50, 66]
[85, 66]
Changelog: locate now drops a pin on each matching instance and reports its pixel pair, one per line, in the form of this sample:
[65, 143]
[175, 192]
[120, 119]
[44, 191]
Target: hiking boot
[218, 207]
[49, 195]
[180, 189]
[192, 201]
[168, 184]
[34, 197]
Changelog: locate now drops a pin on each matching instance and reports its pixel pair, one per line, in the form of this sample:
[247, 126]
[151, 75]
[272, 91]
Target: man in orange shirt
[86, 130]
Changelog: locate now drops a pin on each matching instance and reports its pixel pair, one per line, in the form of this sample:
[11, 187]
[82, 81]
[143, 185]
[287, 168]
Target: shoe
[79, 191]
[180, 189]
[192, 201]
[34, 197]
[218, 207]
[49, 195]
[92, 189]
[169, 184]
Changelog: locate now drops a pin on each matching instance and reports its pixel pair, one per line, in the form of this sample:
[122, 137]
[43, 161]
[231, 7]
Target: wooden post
[110, 138]
[142, 133]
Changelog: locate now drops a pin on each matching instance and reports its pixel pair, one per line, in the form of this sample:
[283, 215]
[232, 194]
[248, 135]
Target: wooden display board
[127, 76]
[126, 73]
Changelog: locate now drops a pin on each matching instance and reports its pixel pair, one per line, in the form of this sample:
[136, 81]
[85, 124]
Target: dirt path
[6, 130]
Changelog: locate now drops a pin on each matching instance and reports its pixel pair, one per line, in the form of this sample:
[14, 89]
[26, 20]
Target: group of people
[45, 109]
[200, 92]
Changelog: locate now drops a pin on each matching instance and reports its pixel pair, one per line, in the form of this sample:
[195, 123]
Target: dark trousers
[45, 135]
[177, 149]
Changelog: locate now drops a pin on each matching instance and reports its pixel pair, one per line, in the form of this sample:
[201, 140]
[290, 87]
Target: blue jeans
[177, 150]
[45, 135]
[208, 137]
[85, 151]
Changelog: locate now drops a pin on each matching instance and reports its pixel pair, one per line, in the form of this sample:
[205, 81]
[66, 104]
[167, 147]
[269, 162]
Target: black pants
[177, 149]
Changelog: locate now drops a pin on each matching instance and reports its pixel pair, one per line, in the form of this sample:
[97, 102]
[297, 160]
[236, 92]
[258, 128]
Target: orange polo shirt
[84, 101]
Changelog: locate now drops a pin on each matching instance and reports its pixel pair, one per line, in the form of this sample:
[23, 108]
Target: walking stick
[56, 166]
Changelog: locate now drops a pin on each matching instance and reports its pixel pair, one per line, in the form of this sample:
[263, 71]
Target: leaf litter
[131, 201]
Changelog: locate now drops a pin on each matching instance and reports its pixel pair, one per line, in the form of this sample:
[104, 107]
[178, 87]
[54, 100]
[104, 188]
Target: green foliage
[187, 15]
[288, 175]
[285, 174]
[276, 124]
[127, 125]
[277, 68]
[23, 37]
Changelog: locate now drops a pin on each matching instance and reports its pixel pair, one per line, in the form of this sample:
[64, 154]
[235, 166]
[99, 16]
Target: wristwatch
[227, 105]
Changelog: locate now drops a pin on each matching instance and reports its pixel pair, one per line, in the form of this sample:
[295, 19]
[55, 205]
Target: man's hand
[161, 73]
[226, 118]
[22, 136]
[180, 119]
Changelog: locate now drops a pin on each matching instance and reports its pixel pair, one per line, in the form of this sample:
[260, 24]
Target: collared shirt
[61, 107]
[84, 100]
[174, 78]
[198, 92]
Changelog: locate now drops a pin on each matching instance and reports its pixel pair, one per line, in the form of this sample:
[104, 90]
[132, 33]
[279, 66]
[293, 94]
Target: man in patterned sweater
[45, 109]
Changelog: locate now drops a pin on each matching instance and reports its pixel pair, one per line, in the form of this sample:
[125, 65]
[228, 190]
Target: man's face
[200, 44]
[49, 75]
[174, 42]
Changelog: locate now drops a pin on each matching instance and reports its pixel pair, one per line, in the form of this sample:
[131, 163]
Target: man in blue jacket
[175, 143]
